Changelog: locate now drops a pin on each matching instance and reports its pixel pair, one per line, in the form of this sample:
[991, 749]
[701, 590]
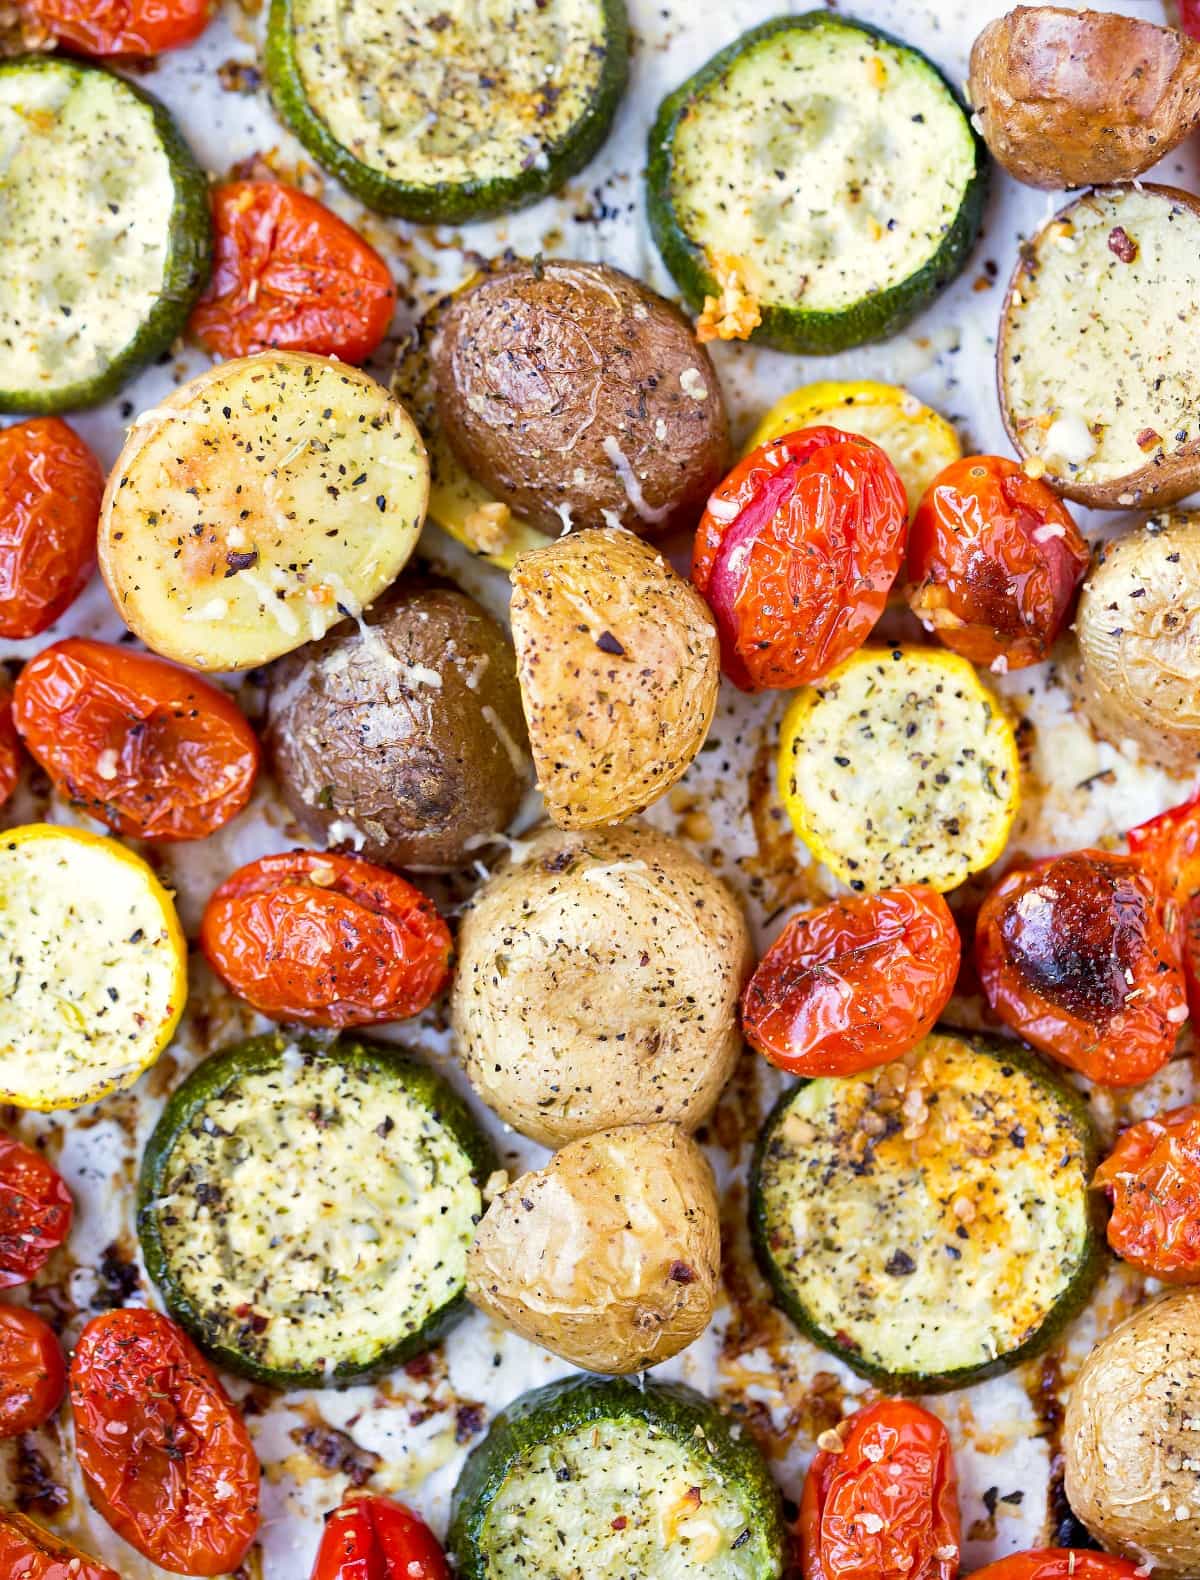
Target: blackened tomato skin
[853, 984]
[1073, 956]
[30, 1552]
[35, 1212]
[51, 487]
[125, 27]
[1061, 1563]
[378, 1539]
[795, 553]
[994, 562]
[147, 747]
[1170, 847]
[33, 1374]
[1152, 1176]
[327, 940]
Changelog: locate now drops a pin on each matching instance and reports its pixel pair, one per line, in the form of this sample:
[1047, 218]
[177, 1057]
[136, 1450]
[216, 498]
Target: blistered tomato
[1061, 1563]
[147, 747]
[795, 553]
[288, 274]
[35, 1212]
[377, 1539]
[51, 487]
[1073, 956]
[30, 1552]
[853, 984]
[327, 940]
[10, 745]
[1170, 847]
[125, 27]
[1153, 1178]
[994, 562]
[33, 1375]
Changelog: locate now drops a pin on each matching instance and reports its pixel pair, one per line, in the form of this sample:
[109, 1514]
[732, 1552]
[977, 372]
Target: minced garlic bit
[734, 315]
[488, 528]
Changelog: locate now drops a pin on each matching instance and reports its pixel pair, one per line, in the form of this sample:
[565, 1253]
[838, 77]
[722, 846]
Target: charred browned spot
[1046, 1390]
[336, 1451]
[117, 1277]
[468, 1421]
[35, 1491]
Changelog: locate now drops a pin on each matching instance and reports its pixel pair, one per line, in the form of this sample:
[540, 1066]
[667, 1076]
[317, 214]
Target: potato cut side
[259, 505]
[93, 963]
[900, 767]
[1098, 372]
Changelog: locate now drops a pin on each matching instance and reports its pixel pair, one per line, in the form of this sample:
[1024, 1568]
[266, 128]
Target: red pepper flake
[1121, 244]
[1148, 439]
[620, 1523]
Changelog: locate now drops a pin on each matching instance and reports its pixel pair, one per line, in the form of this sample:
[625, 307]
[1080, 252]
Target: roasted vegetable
[51, 486]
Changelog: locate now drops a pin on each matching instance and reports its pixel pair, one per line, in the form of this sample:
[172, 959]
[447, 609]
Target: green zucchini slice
[445, 114]
[930, 1221]
[829, 168]
[609, 1480]
[306, 1210]
[104, 231]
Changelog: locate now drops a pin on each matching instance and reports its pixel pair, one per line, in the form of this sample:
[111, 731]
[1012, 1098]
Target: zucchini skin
[802, 330]
[562, 1407]
[212, 1077]
[446, 202]
[187, 270]
[1095, 1255]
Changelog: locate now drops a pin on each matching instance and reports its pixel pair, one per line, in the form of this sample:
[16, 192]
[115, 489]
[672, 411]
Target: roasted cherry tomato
[10, 745]
[30, 1552]
[1060, 1563]
[376, 1539]
[35, 1212]
[327, 940]
[51, 487]
[1189, 17]
[886, 1506]
[795, 553]
[290, 275]
[1170, 847]
[1073, 955]
[33, 1375]
[994, 562]
[125, 27]
[165, 1456]
[148, 748]
[853, 984]
[1153, 1179]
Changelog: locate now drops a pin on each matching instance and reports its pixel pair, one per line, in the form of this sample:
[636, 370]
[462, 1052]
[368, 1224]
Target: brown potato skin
[420, 771]
[1076, 98]
[597, 984]
[610, 1256]
[619, 668]
[1127, 1442]
[537, 366]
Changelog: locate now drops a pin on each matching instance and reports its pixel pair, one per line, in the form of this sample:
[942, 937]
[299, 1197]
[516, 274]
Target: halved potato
[257, 506]
[900, 767]
[918, 442]
[1096, 363]
[1070, 98]
[93, 967]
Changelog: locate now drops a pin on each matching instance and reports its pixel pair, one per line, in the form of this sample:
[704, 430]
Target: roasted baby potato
[1099, 383]
[1078, 98]
[619, 669]
[402, 737]
[1129, 1439]
[609, 1256]
[597, 984]
[579, 397]
[1138, 627]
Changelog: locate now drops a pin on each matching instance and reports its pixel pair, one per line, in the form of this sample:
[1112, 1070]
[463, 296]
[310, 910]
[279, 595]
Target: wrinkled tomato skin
[33, 1375]
[165, 1456]
[795, 553]
[326, 940]
[30, 1552]
[125, 27]
[10, 746]
[1061, 1563]
[914, 1513]
[145, 746]
[51, 487]
[1073, 956]
[1153, 1179]
[378, 1539]
[1170, 847]
[853, 984]
[35, 1212]
[289, 275]
[994, 562]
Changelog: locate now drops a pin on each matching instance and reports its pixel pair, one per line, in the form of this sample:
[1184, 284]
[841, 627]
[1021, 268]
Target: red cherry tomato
[30, 1552]
[1189, 17]
[1060, 1563]
[290, 275]
[35, 1212]
[1073, 955]
[886, 1506]
[795, 553]
[1170, 847]
[51, 487]
[853, 984]
[125, 27]
[165, 1456]
[324, 939]
[1153, 1179]
[10, 745]
[148, 748]
[376, 1539]
[33, 1375]
[994, 562]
